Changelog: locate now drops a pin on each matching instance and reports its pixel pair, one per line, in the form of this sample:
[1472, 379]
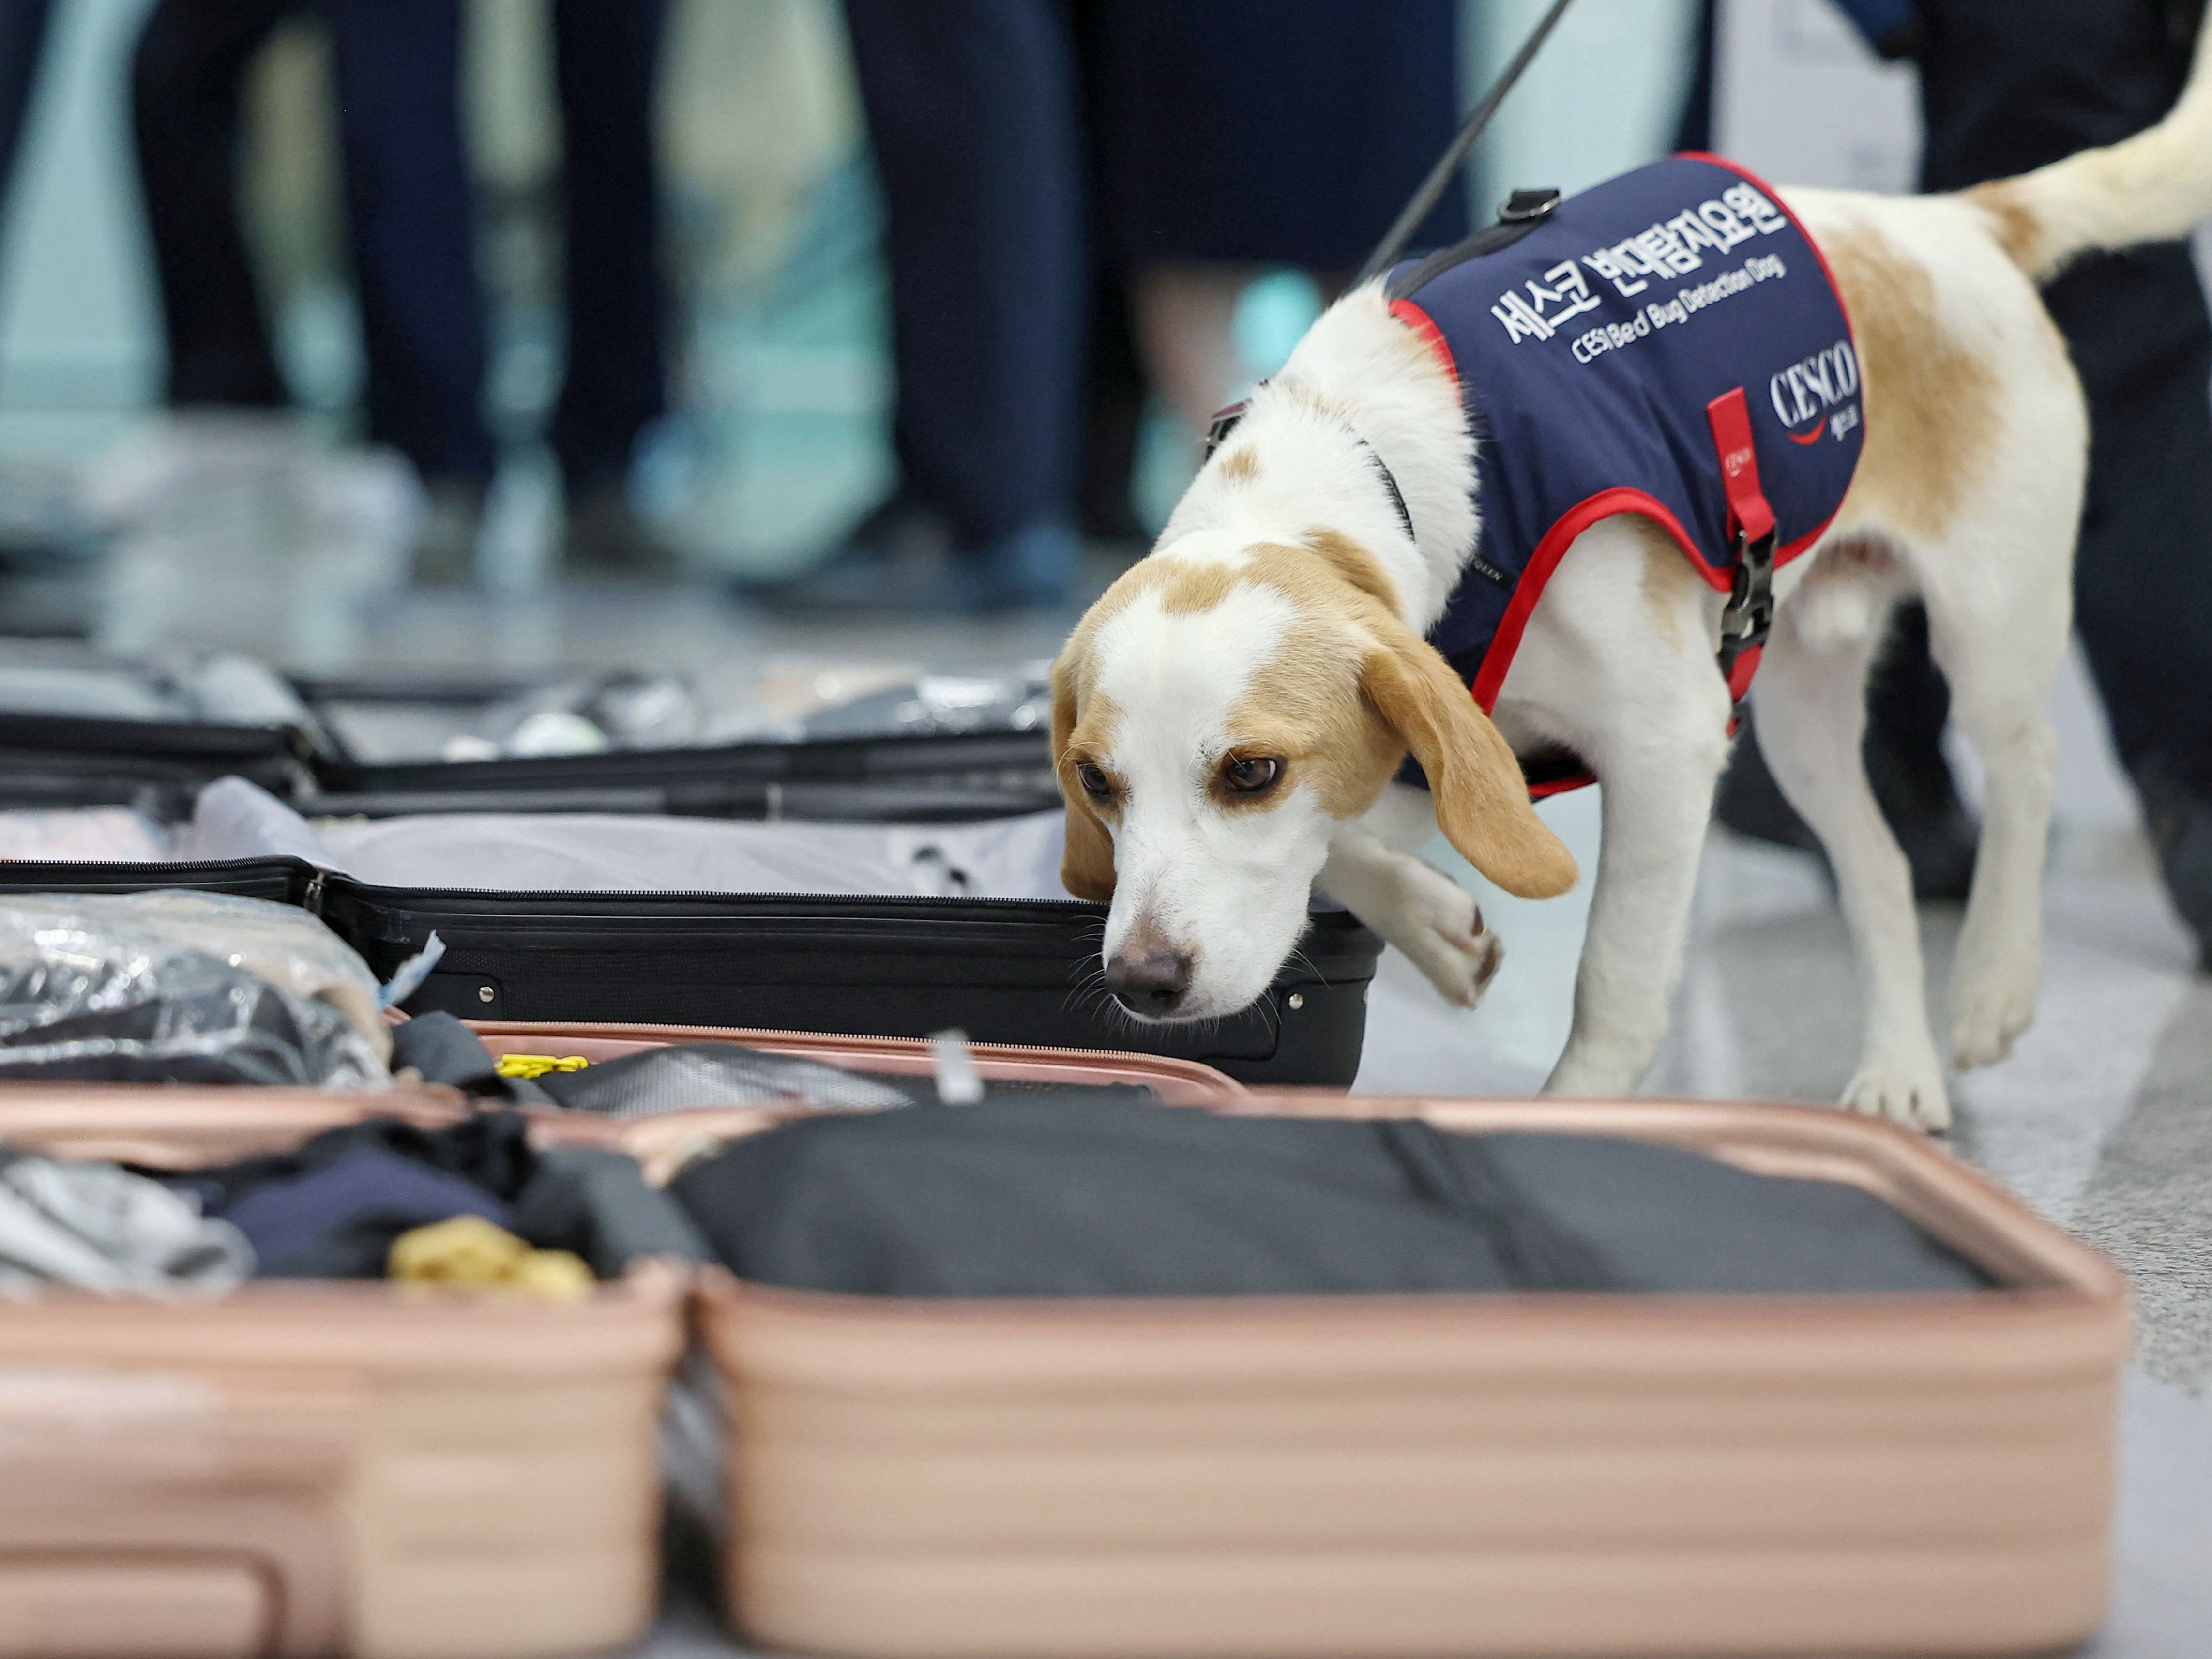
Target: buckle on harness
[1751, 526]
[1748, 616]
[1224, 422]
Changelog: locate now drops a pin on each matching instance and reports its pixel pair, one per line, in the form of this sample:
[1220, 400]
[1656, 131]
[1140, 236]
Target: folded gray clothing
[98, 1228]
[1069, 1195]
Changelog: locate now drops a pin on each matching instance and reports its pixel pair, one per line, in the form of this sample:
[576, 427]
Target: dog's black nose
[1151, 983]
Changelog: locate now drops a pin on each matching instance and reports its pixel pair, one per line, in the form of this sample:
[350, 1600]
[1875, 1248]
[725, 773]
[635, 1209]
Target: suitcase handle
[137, 1467]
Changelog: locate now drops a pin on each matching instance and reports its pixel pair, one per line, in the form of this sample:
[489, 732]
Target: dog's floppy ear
[1482, 801]
[1086, 863]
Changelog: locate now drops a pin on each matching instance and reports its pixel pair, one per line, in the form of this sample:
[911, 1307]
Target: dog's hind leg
[1810, 696]
[2001, 660]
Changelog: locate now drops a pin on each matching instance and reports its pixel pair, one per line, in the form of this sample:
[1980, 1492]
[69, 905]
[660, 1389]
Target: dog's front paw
[1437, 924]
[1905, 1093]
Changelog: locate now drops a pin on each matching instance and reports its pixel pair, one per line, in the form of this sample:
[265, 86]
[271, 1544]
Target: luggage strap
[1749, 614]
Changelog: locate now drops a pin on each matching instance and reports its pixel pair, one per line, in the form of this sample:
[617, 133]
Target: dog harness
[1669, 342]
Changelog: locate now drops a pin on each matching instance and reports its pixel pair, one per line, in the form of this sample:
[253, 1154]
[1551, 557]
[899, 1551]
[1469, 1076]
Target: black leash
[1393, 239]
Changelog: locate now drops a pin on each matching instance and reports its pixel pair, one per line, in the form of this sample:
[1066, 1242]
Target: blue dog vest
[1669, 342]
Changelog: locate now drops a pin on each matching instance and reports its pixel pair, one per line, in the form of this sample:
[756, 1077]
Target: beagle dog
[1231, 717]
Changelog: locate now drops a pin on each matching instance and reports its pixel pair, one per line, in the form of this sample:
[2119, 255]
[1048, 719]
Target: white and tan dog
[1228, 718]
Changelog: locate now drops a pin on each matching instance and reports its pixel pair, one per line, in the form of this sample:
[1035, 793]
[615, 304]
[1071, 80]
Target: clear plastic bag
[175, 986]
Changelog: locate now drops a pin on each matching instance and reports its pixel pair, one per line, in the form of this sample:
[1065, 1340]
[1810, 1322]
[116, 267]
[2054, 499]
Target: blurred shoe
[43, 522]
[2179, 816]
[444, 551]
[604, 536]
[1919, 799]
[902, 559]
[179, 458]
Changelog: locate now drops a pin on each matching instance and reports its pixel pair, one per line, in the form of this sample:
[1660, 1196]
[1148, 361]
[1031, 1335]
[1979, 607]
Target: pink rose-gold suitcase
[1365, 1478]
[303, 1468]
[327, 1468]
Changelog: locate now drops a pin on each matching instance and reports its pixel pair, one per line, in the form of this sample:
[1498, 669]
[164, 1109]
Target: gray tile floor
[2102, 1118]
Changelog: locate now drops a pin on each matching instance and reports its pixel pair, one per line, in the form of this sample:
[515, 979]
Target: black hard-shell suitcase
[1003, 970]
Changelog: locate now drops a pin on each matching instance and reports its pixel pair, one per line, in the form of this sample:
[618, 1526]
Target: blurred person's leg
[22, 43]
[2143, 573]
[1239, 134]
[2007, 85]
[606, 52]
[972, 109]
[1115, 386]
[1114, 418]
[1694, 129]
[1186, 318]
[413, 235]
[187, 80]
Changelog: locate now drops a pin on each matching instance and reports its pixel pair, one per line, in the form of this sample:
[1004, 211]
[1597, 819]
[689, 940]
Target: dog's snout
[1150, 980]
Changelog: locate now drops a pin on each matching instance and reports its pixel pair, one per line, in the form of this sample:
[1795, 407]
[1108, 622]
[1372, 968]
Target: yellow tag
[528, 1066]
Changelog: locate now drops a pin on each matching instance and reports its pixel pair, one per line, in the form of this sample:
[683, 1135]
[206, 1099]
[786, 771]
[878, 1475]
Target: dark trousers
[410, 207]
[2142, 573]
[22, 42]
[410, 220]
[605, 56]
[185, 80]
[973, 108]
[2009, 85]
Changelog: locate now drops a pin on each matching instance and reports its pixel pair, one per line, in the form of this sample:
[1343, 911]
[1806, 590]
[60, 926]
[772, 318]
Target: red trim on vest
[1576, 518]
[1546, 559]
[1425, 325]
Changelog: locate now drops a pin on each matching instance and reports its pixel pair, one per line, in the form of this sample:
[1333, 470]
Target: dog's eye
[1096, 784]
[1248, 774]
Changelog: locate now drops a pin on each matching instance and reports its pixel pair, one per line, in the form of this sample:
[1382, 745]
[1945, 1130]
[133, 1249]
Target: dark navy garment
[1588, 349]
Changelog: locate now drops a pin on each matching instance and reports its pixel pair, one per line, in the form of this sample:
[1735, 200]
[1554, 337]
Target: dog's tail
[2149, 188]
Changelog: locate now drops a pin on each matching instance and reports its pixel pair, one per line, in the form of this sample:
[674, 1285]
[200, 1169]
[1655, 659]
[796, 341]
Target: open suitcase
[342, 1468]
[1005, 970]
[311, 1468]
[78, 729]
[889, 962]
[886, 759]
[1321, 1478]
